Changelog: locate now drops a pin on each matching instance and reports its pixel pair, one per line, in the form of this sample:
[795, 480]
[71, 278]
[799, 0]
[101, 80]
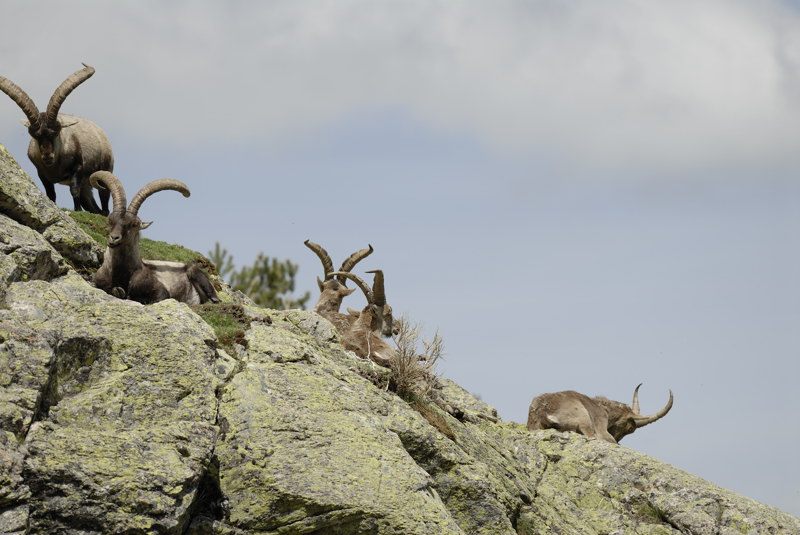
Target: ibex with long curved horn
[124, 273]
[65, 149]
[364, 333]
[594, 417]
[334, 289]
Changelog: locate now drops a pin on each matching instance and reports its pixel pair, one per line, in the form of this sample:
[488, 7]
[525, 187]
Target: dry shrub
[414, 376]
[414, 372]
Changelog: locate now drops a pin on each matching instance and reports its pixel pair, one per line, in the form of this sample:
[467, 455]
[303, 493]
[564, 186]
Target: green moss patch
[230, 323]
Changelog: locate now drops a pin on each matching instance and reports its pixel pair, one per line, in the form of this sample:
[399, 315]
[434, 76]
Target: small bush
[414, 372]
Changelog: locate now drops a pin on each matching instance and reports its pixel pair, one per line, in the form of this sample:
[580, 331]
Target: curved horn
[63, 91]
[635, 404]
[642, 421]
[327, 263]
[378, 293]
[22, 99]
[359, 282]
[351, 261]
[113, 185]
[153, 187]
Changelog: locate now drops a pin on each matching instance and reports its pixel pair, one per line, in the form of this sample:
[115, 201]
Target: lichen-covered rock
[25, 255]
[23, 202]
[124, 421]
[306, 448]
[121, 418]
[592, 487]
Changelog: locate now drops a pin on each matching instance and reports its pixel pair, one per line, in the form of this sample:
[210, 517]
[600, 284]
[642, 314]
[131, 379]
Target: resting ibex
[593, 417]
[334, 290]
[124, 273]
[363, 336]
[65, 149]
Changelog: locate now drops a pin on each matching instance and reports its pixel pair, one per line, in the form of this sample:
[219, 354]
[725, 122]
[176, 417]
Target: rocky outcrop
[22, 201]
[124, 419]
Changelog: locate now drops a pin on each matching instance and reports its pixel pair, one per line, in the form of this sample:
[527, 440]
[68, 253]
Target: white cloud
[648, 84]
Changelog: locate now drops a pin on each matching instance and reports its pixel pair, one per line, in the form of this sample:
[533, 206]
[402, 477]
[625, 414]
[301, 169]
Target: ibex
[124, 274]
[65, 149]
[334, 290]
[593, 417]
[363, 336]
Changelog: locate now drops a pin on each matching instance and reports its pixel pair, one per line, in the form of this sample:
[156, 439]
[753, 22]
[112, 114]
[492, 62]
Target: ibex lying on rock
[65, 149]
[363, 336]
[124, 273]
[593, 417]
[334, 290]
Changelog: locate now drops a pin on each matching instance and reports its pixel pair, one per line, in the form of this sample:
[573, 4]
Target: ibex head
[124, 219]
[332, 288]
[624, 420]
[376, 299]
[44, 127]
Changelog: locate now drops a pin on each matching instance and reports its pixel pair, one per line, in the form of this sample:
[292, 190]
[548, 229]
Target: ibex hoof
[118, 292]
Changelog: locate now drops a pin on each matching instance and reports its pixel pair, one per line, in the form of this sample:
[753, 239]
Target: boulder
[23, 202]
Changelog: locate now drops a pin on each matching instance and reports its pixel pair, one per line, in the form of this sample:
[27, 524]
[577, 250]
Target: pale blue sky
[577, 195]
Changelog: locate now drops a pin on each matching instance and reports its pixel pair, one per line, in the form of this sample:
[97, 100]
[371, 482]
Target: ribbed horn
[642, 421]
[351, 261]
[378, 292]
[22, 99]
[153, 187]
[359, 282]
[327, 263]
[113, 185]
[63, 91]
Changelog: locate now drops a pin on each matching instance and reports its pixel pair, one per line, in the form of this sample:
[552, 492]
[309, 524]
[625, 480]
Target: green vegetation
[96, 226]
[268, 282]
[230, 323]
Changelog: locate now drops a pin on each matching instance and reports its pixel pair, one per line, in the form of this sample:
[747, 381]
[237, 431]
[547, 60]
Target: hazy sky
[579, 195]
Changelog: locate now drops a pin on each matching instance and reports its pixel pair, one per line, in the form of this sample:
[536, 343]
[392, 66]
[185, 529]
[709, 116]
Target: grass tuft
[230, 323]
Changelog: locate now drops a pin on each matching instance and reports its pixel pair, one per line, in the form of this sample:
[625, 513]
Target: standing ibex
[593, 417]
[363, 336]
[65, 149]
[124, 273]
